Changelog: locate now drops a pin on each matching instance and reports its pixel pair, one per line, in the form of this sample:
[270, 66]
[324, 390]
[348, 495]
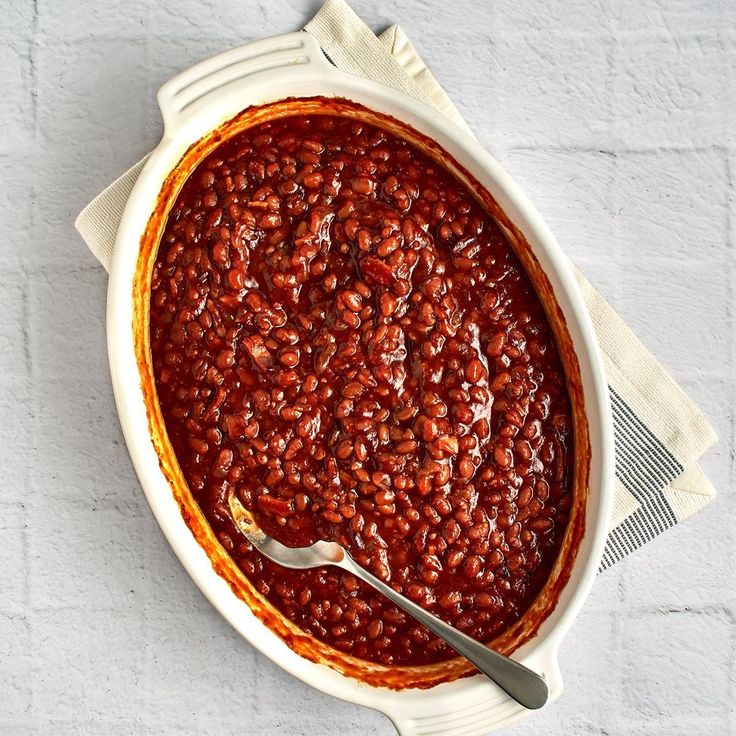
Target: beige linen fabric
[660, 434]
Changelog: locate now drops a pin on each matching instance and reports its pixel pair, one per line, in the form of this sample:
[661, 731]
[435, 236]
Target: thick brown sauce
[343, 337]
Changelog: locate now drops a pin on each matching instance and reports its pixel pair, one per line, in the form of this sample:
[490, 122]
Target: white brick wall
[617, 118]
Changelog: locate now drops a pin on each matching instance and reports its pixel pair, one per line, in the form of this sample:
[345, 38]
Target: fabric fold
[659, 433]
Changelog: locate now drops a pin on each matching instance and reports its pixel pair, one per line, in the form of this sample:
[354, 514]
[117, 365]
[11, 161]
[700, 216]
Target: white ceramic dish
[195, 103]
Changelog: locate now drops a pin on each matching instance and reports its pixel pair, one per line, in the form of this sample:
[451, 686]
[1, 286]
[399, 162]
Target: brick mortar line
[725, 610]
[500, 32]
[26, 618]
[34, 35]
[615, 151]
[730, 163]
[28, 357]
[551, 147]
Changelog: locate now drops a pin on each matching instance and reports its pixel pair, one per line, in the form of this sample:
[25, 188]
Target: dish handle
[225, 74]
[478, 711]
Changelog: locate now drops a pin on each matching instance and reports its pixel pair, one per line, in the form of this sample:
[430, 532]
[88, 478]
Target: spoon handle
[522, 684]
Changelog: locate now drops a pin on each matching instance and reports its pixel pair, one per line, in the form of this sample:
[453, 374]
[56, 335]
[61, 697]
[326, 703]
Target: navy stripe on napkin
[644, 466]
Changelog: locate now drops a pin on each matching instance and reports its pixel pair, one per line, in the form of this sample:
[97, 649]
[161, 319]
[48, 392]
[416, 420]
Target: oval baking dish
[289, 75]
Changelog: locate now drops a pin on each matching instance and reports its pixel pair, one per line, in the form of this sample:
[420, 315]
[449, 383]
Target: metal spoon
[526, 687]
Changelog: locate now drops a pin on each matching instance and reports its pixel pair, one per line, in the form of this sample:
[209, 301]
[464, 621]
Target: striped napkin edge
[638, 515]
[666, 428]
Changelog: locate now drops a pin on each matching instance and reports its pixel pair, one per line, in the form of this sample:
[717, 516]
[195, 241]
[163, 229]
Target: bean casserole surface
[344, 338]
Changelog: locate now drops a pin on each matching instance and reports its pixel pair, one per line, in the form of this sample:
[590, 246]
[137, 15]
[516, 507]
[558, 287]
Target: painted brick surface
[617, 118]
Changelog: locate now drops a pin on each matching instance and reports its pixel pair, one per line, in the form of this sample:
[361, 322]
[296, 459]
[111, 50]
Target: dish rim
[258, 87]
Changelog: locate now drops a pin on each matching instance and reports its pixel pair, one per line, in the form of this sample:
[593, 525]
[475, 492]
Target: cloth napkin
[659, 433]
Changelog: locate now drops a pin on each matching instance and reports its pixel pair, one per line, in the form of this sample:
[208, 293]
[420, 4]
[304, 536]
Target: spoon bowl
[522, 684]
